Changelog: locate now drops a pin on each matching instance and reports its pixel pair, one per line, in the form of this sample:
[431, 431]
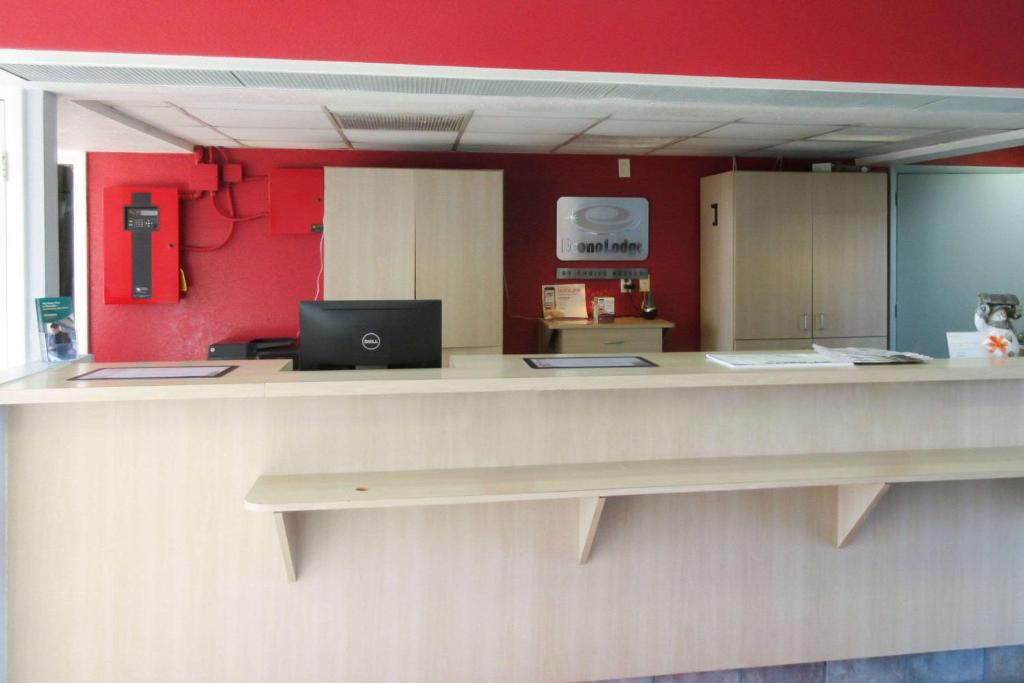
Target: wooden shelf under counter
[624, 335]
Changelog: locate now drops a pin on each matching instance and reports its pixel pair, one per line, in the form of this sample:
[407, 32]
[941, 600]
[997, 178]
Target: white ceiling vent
[398, 121]
[410, 85]
[744, 97]
[116, 75]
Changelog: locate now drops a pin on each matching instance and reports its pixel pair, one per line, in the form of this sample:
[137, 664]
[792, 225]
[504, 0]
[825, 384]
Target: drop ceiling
[515, 112]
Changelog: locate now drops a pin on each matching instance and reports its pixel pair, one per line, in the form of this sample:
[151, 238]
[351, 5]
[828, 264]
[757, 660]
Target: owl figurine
[994, 318]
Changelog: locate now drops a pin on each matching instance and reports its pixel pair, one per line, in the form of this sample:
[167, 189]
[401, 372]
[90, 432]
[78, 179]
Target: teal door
[956, 234]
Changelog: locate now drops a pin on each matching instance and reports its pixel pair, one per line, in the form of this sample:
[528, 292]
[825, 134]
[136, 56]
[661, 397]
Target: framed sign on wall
[602, 229]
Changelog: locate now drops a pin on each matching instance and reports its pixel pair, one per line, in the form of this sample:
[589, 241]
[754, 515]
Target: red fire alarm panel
[296, 201]
[140, 245]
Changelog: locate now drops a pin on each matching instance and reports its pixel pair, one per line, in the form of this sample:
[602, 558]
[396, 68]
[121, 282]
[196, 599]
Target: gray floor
[989, 665]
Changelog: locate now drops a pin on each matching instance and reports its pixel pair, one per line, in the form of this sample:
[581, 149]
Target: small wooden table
[625, 335]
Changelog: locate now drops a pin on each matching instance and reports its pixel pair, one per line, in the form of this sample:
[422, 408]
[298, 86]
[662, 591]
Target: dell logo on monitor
[371, 341]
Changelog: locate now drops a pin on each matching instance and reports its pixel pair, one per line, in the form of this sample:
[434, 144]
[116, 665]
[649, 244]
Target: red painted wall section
[1013, 157]
[251, 287]
[947, 42]
[248, 288]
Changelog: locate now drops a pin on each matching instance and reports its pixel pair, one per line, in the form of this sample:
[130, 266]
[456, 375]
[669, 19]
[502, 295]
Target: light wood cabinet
[419, 234]
[369, 234]
[625, 335]
[772, 255]
[805, 344]
[850, 255]
[459, 252]
[792, 258]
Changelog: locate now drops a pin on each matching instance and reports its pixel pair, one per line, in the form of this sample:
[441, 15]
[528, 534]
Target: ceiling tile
[714, 147]
[284, 144]
[813, 148]
[262, 118]
[610, 151]
[767, 131]
[512, 140]
[280, 101]
[648, 127]
[80, 139]
[989, 105]
[523, 124]
[211, 142]
[201, 135]
[81, 129]
[552, 109]
[157, 116]
[283, 134]
[933, 139]
[619, 141]
[867, 134]
[808, 116]
[504, 150]
[398, 137]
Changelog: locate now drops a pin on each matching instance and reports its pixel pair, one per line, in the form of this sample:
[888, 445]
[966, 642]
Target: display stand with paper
[567, 301]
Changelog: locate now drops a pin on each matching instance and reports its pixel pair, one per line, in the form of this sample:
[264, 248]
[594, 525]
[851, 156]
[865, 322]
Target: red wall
[251, 286]
[1013, 156]
[948, 42]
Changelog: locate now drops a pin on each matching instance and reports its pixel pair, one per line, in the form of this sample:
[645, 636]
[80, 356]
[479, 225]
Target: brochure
[802, 359]
[56, 319]
[570, 301]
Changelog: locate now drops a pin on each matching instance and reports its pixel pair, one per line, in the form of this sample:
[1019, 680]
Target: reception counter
[492, 522]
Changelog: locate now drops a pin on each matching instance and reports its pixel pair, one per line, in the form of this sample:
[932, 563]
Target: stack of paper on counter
[822, 356]
[859, 356]
[801, 359]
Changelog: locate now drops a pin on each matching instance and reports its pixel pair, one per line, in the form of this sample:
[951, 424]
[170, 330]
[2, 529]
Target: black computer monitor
[343, 335]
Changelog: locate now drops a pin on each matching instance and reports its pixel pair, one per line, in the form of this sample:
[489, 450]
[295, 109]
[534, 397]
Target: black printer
[255, 349]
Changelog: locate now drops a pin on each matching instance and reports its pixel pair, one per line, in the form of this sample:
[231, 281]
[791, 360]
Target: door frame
[77, 160]
[894, 178]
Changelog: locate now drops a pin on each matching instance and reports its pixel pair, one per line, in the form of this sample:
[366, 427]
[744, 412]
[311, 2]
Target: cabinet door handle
[805, 321]
[613, 343]
[821, 321]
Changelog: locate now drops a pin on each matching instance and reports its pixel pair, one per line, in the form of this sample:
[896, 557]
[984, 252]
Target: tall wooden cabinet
[419, 234]
[791, 259]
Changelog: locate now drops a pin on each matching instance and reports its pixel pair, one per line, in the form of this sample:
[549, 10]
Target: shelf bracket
[286, 544]
[854, 502]
[590, 517]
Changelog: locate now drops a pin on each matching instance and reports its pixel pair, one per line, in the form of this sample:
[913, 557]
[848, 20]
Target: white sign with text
[602, 229]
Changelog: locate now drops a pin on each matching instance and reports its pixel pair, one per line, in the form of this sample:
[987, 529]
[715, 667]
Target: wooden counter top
[474, 374]
[54, 385]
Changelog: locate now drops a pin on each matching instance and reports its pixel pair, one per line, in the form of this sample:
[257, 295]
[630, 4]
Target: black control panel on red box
[141, 218]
